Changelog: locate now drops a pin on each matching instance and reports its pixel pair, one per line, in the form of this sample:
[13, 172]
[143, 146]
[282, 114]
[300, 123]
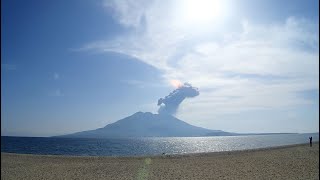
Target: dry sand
[290, 162]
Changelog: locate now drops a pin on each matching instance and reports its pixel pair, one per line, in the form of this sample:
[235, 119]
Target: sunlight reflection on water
[146, 146]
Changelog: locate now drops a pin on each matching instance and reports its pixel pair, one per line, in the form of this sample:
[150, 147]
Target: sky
[69, 66]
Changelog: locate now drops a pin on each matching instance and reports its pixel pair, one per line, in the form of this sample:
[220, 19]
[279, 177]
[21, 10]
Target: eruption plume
[174, 99]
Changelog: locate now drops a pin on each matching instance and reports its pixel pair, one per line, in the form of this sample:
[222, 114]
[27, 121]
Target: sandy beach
[289, 162]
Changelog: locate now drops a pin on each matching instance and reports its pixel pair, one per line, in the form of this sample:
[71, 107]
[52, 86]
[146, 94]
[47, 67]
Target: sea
[147, 146]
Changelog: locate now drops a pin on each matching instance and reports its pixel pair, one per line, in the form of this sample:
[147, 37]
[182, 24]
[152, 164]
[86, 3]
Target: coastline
[172, 155]
[298, 161]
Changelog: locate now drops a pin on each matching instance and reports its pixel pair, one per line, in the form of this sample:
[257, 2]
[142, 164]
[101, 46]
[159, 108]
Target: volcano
[148, 124]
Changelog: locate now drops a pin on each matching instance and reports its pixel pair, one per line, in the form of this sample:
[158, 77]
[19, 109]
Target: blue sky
[69, 66]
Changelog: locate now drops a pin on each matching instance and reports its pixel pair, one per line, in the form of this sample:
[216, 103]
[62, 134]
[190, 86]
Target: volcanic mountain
[148, 125]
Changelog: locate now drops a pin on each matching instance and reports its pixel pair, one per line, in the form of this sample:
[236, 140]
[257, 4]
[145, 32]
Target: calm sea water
[146, 146]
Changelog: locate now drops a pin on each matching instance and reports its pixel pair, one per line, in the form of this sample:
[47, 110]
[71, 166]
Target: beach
[287, 162]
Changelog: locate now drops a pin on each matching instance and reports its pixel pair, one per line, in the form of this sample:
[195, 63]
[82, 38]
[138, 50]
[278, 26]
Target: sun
[200, 11]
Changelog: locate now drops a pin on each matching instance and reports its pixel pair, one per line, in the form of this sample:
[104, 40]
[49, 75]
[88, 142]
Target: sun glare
[200, 11]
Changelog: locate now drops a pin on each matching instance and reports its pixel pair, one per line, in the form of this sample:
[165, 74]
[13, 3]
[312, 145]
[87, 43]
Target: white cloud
[255, 66]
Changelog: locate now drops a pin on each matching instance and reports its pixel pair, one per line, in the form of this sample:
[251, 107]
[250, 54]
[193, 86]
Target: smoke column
[174, 99]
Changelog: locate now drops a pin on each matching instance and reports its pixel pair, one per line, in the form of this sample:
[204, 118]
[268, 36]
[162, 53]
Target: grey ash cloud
[170, 103]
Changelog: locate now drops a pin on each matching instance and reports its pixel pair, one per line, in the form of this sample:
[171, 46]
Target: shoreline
[298, 161]
[174, 155]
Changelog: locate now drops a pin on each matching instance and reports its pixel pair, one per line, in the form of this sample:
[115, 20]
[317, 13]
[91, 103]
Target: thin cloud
[143, 84]
[283, 49]
[128, 12]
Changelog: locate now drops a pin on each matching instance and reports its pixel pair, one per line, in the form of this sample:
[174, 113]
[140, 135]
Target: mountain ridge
[146, 124]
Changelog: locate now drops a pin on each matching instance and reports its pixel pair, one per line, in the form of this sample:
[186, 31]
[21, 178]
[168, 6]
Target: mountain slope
[147, 125]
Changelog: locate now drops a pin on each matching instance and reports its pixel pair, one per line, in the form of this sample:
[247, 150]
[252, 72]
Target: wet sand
[289, 162]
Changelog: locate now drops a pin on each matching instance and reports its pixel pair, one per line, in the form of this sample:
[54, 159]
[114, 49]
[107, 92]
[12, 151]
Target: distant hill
[148, 125]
